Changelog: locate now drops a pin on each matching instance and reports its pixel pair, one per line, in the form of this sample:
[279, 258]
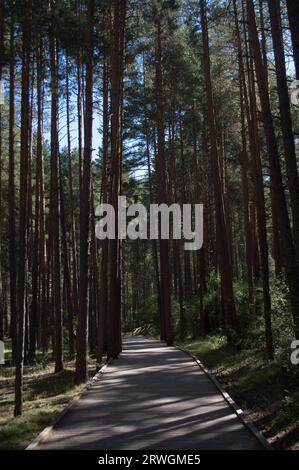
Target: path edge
[238, 411]
[44, 434]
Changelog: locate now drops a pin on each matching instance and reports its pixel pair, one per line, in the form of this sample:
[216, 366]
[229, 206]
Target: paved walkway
[152, 397]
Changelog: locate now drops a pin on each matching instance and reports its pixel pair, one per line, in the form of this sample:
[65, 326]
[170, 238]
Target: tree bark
[55, 203]
[85, 206]
[149, 171]
[244, 159]
[222, 231]
[166, 331]
[117, 69]
[1, 157]
[286, 118]
[293, 14]
[23, 226]
[103, 298]
[71, 197]
[262, 246]
[275, 171]
[11, 196]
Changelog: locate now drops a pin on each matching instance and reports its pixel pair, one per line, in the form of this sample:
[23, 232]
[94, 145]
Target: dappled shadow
[153, 396]
[49, 385]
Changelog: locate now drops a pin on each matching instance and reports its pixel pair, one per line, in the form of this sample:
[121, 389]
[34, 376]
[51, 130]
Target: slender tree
[103, 295]
[23, 211]
[166, 328]
[85, 206]
[275, 169]
[293, 15]
[11, 193]
[222, 233]
[55, 200]
[286, 119]
[1, 158]
[117, 70]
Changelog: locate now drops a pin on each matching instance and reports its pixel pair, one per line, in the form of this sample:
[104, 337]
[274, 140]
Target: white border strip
[46, 432]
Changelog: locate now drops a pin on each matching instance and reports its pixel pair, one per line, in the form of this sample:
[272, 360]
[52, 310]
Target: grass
[45, 395]
[267, 392]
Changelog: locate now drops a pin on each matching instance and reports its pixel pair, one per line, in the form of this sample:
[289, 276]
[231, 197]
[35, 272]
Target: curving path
[152, 397]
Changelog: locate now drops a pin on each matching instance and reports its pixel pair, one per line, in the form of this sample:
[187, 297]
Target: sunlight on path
[152, 397]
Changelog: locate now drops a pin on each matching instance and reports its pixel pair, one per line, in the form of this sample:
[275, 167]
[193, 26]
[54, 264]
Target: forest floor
[267, 392]
[45, 395]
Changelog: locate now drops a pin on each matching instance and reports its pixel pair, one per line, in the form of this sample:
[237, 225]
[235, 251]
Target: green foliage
[45, 395]
[267, 392]
[282, 322]
[212, 299]
[148, 317]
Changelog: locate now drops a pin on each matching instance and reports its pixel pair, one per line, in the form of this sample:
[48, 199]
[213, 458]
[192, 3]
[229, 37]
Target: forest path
[152, 397]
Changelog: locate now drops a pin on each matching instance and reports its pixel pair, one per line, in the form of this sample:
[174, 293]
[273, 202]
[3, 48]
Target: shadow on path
[152, 397]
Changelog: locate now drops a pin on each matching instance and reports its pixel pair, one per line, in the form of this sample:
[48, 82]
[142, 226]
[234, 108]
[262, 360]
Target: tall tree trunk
[166, 332]
[79, 100]
[11, 196]
[1, 66]
[42, 258]
[173, 198]
[286, 119]
[94, 280]
[55, 202]
[263, 38]
[149, 171]
[66, 273]
[293, 14]
[275, 170]
[117, 66]
[74, 284]
[85, 206]
[200, 255]
[103, 298]
[244, 159]
[276, 252]
[33, 314]
[222, 231]
[249, 95]
[23, 226]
